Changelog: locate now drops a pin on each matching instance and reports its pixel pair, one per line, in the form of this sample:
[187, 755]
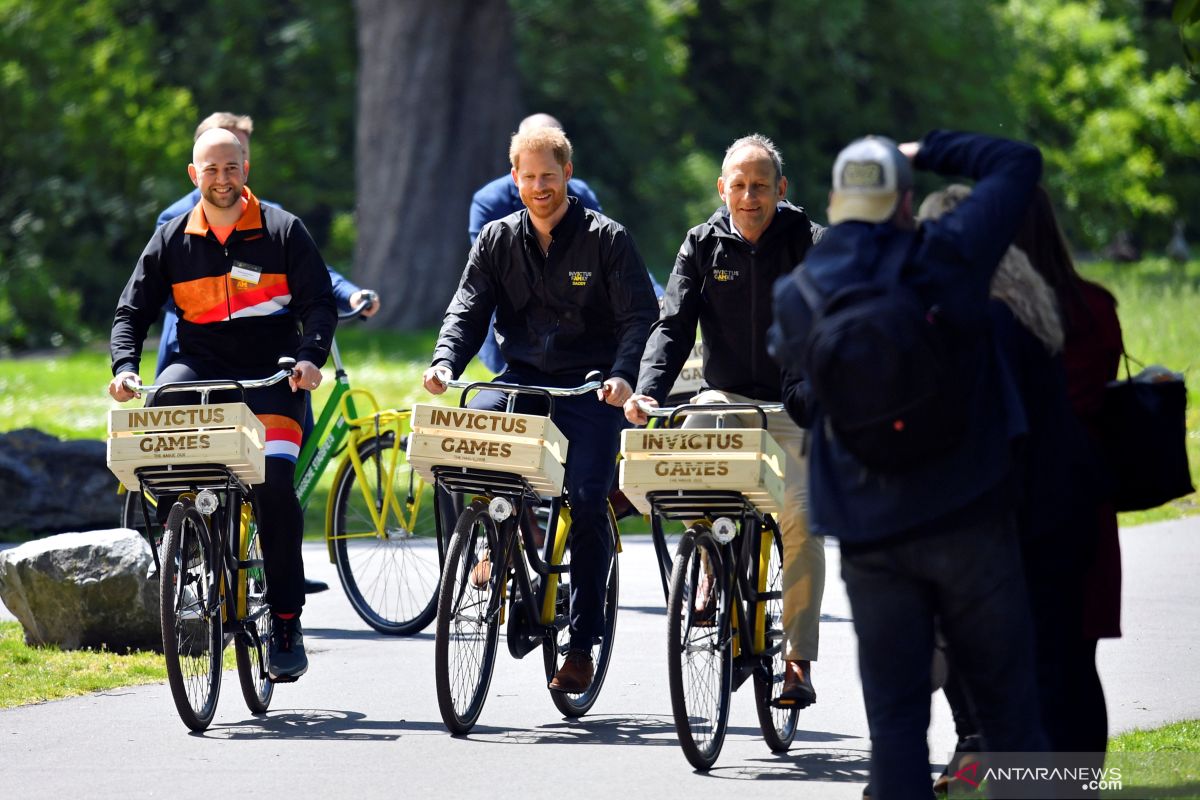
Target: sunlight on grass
[36, 674]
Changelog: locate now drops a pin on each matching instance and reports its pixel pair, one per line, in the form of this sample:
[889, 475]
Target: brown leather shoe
[481, 573]
[575, 675]
[798, 691]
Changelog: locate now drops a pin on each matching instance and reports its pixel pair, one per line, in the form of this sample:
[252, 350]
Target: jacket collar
[786, 217]
[566, 227]
[251, 219]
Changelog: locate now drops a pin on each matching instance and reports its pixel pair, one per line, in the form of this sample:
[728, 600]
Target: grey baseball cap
[869, 177]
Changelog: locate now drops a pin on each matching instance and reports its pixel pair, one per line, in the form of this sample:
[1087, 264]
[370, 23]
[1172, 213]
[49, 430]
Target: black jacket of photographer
[724, 282]
[587, 304]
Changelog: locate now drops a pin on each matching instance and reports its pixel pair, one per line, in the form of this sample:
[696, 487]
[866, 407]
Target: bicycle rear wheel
[778, 724]
[699, 648]
[250, 644]
[191, 617]
[576, 705]
[390, 575]
[468, 620]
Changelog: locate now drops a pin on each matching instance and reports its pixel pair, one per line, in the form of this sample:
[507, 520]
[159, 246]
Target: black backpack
[879, 361]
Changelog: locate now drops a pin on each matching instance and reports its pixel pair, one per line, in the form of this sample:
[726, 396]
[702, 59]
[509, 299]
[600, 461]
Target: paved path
[364, 721]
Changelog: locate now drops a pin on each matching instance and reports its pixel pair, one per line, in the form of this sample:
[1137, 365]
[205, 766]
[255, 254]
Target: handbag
[1143, 433]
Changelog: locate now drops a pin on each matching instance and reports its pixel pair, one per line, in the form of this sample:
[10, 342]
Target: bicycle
[725, 601]
[205, 460]
[379, 528]
[509, 463]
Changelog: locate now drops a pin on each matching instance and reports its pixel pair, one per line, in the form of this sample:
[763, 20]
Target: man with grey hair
[722, 280]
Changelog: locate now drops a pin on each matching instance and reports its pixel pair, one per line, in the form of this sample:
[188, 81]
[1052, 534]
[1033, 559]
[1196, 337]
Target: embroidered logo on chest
[725, 275]
[579, 278]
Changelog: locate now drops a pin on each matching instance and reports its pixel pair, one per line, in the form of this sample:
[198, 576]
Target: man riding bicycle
[245, 277]
[722, 279]
[571, 295]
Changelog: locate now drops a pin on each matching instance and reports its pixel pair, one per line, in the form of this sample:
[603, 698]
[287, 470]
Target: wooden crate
[528, 445]
[745, 460]
[224, 433]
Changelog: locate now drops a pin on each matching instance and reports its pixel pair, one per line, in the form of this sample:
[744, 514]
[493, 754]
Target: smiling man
[722, 279]
[250, 286]
[571, 295]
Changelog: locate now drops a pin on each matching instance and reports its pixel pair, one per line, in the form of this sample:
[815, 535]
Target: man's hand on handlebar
[305, 377]
[436, 378]
[367, 297]
[615, 391]
[634, 411]
[119, 391]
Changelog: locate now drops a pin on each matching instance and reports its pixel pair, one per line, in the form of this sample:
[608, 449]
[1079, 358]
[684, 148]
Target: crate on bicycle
[745, 460]
[223, 433]
[528, 445]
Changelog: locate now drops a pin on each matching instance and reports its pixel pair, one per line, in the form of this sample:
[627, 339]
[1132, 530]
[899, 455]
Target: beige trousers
[803, 554]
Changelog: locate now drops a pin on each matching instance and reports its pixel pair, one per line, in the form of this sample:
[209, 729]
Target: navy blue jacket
[952, 262]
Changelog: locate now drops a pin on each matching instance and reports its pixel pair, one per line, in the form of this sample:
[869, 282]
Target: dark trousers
[968, 578]
[592, 429]
[280, 519]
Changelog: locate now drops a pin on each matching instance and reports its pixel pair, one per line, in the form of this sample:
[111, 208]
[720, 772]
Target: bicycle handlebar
[672, 412]
[286, 370]
[369, 297]
[594, 382]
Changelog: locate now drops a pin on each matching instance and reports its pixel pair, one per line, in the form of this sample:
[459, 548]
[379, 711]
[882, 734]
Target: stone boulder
[50, 485]
[78, 590]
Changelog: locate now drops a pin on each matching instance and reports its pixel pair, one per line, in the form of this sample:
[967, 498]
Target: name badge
[246, 273]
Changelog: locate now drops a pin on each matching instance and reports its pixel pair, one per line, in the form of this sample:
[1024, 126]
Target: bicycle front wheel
[468, 620]
[250, 645]
[388, 568]
[778, 724]
[190, 612]
[699, 648]
[576, 705]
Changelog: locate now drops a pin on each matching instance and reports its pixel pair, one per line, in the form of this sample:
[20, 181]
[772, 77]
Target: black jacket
[247, 324]
[586, 305]
[724, 282]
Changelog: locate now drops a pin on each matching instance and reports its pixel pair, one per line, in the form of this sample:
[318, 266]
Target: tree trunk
[437, 101]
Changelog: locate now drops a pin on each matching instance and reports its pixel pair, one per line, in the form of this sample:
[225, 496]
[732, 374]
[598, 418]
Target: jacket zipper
[228, 301]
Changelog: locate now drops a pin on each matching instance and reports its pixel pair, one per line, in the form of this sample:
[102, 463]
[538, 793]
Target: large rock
[83, 590]
[50, 485]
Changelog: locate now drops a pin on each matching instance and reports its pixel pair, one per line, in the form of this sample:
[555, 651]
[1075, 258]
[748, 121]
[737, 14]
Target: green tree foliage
[1120, 135]
[612, 72]
[87, 139]
[98, 101]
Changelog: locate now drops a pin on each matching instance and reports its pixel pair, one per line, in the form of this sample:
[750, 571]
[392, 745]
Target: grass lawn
[1165, 759]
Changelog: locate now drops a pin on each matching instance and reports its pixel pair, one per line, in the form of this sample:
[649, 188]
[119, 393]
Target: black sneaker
[312, 587]
[285, 651]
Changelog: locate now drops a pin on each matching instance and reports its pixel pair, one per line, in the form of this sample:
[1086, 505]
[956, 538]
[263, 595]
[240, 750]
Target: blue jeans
[968, 578]
[593, 430]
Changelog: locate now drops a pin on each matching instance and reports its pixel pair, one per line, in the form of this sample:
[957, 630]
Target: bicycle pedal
[284, 679]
